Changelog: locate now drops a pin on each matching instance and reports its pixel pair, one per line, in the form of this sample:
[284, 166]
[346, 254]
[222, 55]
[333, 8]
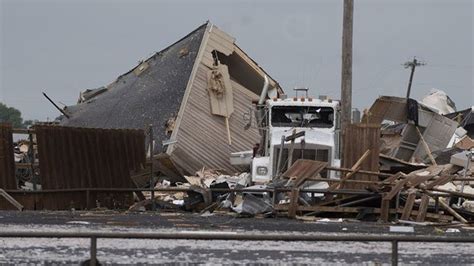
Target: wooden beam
[342, 169]
[423, 208]
[293, 207]
[409, 205]
[355, 168]
[439, 181]
[425, 146]
[452, 211]
[395, 189]
[384, 210]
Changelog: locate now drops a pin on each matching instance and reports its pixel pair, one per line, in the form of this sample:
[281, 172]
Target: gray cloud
[63, 47]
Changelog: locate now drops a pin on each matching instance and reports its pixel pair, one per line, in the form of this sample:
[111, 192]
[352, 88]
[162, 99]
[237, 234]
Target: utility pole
[346, 70]
[346, 66]
[413, 64]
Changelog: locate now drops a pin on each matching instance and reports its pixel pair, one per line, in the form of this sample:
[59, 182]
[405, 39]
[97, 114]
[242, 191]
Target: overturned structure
[196, 93]
[417, 130]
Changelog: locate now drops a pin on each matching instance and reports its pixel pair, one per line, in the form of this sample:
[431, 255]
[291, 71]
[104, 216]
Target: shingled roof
[150, 93]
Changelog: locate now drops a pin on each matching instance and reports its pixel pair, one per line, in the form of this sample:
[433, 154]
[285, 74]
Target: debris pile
[424, 173]
[437, 193]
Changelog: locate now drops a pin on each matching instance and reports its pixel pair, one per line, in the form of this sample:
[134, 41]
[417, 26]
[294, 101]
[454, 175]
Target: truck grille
[315, 154]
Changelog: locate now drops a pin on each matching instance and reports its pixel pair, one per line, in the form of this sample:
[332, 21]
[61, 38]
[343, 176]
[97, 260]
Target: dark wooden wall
[7, 159]
[357, 140]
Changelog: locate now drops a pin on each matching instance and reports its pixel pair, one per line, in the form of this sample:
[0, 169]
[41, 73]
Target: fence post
[93, 261]
[394, 252]
[152, 183]
[87, 199]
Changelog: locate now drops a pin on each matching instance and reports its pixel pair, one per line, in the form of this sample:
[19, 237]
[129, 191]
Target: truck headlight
[262, 170]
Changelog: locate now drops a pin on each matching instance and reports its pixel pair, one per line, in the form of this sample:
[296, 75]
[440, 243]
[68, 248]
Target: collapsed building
[415, 130]
[195, 93]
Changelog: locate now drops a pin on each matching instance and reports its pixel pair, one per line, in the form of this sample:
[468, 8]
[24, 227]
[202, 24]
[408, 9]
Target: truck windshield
[302, 116]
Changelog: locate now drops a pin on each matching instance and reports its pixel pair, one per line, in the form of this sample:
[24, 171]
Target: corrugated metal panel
[7, 159]
[88, 158]
[202, 137]
[357, 140]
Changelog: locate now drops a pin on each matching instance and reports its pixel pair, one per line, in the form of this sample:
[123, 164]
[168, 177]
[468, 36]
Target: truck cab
[317, 118]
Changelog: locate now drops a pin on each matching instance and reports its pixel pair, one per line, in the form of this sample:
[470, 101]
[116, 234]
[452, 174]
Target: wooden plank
[425, 146]
[409, 205]
[452, 211]
[395, 189]
[337, 201]
[355, 168]
[417, 180]
[423, 208]
[341, 169]
[10, 199]
[394, 177]
[431, 216]
[303, 170]
[293, 207]
[384, 210]
[439, 181]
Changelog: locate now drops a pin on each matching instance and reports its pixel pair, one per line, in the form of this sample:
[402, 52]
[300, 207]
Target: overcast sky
[64, 47]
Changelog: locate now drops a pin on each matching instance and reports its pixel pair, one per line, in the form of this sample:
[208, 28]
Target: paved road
[113, 251]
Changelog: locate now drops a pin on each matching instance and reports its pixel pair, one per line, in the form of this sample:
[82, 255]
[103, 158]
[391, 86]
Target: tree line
[13, 116]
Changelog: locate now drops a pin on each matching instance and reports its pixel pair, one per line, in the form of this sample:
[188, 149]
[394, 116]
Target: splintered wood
[418, 196]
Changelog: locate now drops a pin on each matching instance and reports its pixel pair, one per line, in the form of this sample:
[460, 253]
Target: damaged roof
[150, 93]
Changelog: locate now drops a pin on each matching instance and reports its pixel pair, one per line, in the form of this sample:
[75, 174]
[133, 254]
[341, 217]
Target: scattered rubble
[408, 161]
[425, 183]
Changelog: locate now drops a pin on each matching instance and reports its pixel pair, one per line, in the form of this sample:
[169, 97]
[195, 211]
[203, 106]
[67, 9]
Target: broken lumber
[355, 168]
[423, 208]
[425, 146]
[408, 205]
[10, 199]
[452, 211]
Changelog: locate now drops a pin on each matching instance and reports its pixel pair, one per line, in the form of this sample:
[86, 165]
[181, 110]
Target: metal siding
[193, 138]
[7, 158]
[437, 135]
[88, 158]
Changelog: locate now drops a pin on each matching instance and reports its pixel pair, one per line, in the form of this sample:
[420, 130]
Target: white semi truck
[313, 124]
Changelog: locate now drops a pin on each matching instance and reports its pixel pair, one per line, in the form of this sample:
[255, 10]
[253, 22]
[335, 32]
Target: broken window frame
[299, 120]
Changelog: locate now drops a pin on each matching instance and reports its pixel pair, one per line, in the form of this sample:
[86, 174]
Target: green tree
[11, 115]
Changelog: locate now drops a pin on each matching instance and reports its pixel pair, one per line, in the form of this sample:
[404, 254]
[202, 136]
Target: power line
[412, 64]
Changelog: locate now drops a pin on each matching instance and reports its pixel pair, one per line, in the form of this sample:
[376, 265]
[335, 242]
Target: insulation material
[439, 101]
[468, 205]
[220, 91]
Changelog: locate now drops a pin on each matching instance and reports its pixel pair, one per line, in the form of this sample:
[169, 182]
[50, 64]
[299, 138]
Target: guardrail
[393, 239]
